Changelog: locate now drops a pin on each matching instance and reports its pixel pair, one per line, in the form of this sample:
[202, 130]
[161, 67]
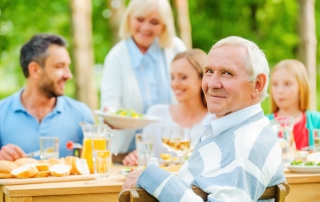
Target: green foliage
[272, 24]
[20, 20]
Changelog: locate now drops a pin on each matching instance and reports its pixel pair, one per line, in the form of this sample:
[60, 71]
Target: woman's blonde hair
[145, 7]
[197, 58]
[299, 71]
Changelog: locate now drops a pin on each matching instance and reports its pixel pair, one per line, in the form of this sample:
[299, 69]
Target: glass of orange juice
[102, 161]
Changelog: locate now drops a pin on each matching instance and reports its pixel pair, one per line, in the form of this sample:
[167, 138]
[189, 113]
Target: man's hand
[11, 152]
[131, 180]
[131, 159]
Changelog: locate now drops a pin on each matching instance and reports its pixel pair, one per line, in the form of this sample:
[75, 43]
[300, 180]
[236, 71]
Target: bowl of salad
[126, 118]
[300, 166]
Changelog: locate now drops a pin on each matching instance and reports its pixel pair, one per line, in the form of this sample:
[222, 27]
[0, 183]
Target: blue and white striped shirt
[237, 160]
[151, 72]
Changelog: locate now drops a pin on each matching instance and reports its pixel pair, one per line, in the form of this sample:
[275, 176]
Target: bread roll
[45, 173]
[6, 167]
[23, 161]
[60, 170]
[71, 161]
[53, 161]
[80, 166]
[25, 171]
[42, 166]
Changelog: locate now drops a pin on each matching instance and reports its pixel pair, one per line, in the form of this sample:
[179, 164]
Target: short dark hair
[35, 50]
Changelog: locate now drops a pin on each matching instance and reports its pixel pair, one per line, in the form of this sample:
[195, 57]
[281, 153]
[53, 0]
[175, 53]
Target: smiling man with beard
[40, 108]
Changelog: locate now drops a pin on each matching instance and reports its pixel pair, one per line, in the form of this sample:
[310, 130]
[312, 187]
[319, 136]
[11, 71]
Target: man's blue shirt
[19, 127]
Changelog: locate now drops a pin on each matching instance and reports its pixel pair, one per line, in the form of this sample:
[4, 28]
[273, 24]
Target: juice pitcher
[96, 137]
[283, 125]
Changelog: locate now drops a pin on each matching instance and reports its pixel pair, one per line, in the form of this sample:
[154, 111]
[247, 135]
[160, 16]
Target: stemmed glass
[165, 137]
[180, 141]
[144, 147]
[283, 126]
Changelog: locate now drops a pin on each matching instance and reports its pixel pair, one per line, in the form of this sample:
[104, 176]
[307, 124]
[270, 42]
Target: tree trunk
[83, 52]
[117, 9]
[184, 24]
[308, 45]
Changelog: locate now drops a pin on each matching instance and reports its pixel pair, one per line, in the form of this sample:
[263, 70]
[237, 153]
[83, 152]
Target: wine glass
[165, 137]
[283, 126]
[144, 147]
[180, 141]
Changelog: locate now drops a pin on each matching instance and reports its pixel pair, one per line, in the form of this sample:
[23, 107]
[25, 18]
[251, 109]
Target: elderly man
[40, 109]
[238, 155]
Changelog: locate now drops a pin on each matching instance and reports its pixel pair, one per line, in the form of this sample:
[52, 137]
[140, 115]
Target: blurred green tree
[272, 24]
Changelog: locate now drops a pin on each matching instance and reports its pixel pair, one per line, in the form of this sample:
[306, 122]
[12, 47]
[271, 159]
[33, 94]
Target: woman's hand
[106, 109]
[131, 159]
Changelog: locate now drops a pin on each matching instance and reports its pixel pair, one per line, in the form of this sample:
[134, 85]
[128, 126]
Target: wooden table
[99, 190]
[303, 187]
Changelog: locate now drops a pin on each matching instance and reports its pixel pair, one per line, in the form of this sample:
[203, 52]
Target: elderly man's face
[225, 82]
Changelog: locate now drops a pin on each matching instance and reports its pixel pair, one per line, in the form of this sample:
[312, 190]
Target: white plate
[126, 122]
[304, 169]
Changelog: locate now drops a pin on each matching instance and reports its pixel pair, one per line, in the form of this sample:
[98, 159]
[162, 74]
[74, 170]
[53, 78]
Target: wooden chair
[278, 192]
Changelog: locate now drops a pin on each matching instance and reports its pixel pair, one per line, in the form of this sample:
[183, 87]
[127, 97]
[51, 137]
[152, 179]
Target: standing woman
[136, 70]
[191, 109]
[290, 96]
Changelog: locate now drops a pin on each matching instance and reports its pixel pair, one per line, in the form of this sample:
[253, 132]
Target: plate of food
[126, 119]
[166, 159]
[299, 166]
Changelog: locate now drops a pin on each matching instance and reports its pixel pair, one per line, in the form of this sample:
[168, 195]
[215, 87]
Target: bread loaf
[42, 166]
[45, 173]
[6, 167]
[25, 171]
[23, 161]
[60, 170]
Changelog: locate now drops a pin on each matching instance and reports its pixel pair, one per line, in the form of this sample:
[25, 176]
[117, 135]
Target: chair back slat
[134, 196]
[278, 192]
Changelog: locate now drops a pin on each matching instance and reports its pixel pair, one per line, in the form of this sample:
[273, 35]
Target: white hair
[256, 62]
[145, 7]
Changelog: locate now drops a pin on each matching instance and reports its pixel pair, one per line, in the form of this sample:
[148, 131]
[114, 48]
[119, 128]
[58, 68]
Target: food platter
[14, 181]
[304, 169]
[126, 122]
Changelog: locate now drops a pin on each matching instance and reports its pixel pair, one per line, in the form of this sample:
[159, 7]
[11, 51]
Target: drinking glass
[103, 162]
[180, 141]
[316, 139]
[283, 126]
[144, 148]
[165, 138]
[49, 147]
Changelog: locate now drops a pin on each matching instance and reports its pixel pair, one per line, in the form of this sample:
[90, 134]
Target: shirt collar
[18, 106]
[16, 101]
[152, 51]
[219, 125]
[59, 105]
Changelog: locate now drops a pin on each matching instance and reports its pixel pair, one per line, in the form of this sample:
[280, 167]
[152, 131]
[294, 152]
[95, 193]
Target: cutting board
[50, 179]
